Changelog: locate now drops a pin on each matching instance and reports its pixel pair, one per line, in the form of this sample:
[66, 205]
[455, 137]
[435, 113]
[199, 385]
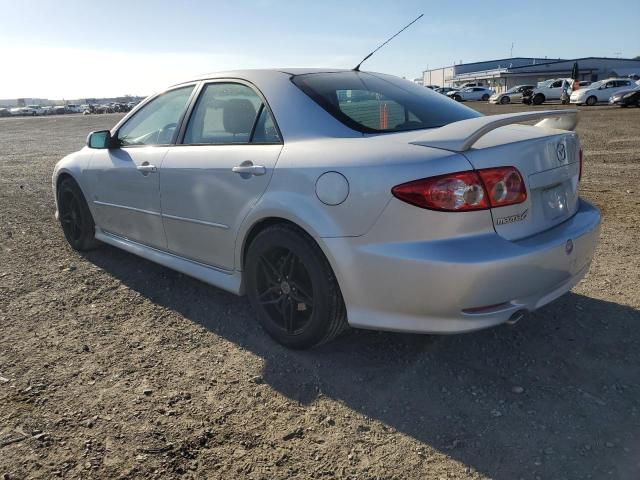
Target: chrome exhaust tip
[517, 316]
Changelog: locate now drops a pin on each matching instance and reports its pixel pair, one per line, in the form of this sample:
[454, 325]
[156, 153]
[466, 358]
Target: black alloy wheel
[74, 216]
[292, 288]
[284, 288]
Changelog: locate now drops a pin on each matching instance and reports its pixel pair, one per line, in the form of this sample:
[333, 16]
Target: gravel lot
[113, 367]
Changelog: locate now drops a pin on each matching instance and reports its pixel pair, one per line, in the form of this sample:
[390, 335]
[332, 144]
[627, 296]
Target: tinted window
[266, 130]
[227, 113]
[156, 122]
[380, 103]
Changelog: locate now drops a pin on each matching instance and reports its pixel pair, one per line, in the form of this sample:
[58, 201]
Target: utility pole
[511, 50]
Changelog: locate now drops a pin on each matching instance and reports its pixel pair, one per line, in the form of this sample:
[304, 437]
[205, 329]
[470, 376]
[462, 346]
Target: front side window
[373, 103]
[228, 113]
[156, 122]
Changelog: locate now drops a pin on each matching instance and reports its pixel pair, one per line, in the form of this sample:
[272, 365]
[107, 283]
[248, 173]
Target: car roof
[257, 72]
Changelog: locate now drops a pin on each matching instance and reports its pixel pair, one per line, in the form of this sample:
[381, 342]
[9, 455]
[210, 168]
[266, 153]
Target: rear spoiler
[460, 136]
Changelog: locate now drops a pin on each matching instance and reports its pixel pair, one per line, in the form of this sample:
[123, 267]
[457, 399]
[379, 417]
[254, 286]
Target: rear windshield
[376, 103]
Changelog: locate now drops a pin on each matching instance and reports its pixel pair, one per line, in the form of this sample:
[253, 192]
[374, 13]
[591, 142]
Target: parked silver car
[335, 198]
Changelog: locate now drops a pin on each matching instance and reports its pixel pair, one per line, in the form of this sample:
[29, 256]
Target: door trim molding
[125, 207]
[193, 220]
[163, 215]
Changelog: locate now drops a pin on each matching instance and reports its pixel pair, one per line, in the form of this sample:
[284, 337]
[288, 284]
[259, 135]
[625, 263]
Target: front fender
[74, 165]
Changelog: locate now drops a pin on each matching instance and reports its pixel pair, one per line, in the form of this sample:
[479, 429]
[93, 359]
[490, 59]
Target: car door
[124, 180]
[606, 90]
[477, 93]
[222, 165]
[554, 91]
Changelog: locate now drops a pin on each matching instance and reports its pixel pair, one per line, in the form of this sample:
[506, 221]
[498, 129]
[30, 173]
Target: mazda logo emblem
[568, 248]
[561, 151]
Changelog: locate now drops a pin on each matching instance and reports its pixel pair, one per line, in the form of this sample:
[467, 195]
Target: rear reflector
[464, 191]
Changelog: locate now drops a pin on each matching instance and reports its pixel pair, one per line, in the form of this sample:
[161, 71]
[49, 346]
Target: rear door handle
[146, 168]
[247, 168]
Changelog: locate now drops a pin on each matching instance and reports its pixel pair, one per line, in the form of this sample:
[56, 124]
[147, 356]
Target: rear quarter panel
[371, 165]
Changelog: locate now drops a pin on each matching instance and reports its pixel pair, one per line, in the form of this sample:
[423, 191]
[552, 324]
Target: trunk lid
[550, 166]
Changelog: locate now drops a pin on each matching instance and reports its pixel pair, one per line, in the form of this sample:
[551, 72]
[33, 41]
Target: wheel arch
[262, 224]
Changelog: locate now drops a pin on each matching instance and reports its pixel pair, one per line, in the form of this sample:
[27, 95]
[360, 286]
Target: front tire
[591, 101]
[292, 288]
[485, 97]
[74, 216]
[538, 99]
[457, 98]
[505, 100]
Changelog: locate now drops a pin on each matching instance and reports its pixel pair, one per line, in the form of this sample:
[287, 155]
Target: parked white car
[23, 111]
[336, 198]
[37, 109]
[550, 90]
[601, 91]
[73, 108]
[471, 93]
[514, 94]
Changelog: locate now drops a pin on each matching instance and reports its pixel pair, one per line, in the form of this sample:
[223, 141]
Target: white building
[506, 73]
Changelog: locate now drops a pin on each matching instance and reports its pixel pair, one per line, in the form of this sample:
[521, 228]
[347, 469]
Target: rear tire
[75, 217]
[292, 288]
[591, 101]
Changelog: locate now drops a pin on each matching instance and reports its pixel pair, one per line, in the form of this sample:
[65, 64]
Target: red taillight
[580, 169]
[464, 191]
[452, 192]
[504, 186]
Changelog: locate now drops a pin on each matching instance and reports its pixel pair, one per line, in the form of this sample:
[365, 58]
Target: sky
[84, 48]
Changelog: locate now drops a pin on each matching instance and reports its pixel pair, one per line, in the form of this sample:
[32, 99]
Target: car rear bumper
[461, 284]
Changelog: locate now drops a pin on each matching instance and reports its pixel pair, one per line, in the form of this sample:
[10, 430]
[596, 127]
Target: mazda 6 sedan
[337, 198]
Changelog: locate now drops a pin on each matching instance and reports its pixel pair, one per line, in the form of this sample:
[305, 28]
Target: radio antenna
[357, 67]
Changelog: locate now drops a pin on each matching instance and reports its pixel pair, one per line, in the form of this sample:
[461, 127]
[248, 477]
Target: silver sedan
[339, 198]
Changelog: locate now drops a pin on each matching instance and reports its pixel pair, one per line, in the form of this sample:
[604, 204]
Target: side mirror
[101, 139]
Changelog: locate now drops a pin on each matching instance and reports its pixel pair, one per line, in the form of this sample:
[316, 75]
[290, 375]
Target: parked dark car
[626, 98]
[527, 96]
[4, 112]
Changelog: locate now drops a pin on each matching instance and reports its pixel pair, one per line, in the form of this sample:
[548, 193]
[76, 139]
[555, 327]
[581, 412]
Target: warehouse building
[505, 73]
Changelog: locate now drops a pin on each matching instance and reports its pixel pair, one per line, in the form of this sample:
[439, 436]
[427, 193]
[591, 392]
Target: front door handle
[247, 168]
[147, 168]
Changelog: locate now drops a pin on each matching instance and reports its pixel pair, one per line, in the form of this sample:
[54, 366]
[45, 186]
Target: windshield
[375, 103]
[596, 85]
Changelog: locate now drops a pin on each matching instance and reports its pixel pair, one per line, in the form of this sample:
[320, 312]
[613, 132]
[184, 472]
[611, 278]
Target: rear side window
[228, 113]
[376, 103]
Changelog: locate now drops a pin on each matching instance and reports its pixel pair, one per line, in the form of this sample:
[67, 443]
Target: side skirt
[224, 279]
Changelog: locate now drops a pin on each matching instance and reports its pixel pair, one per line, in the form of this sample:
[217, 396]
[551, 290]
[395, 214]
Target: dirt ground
[113, 367]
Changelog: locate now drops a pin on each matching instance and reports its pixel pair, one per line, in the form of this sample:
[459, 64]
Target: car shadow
[556, 396]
